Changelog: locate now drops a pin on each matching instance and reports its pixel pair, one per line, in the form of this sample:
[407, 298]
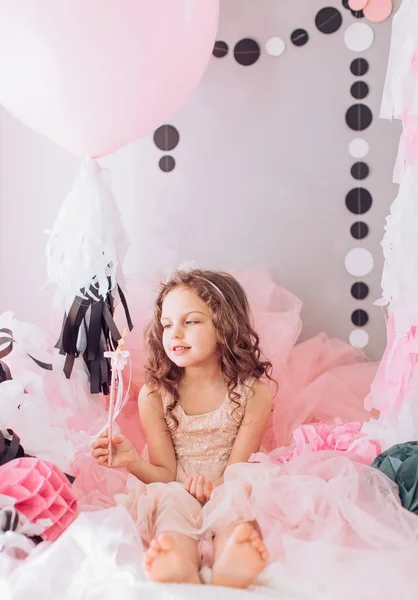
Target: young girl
[203, 409]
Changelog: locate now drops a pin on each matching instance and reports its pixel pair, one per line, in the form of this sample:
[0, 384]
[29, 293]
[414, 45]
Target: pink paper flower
[314, 437]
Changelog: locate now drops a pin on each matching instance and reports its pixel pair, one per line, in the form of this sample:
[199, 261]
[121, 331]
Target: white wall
[261, 177]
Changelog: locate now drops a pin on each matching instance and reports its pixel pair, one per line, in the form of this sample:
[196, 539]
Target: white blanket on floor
[272, 584]
[99, 557]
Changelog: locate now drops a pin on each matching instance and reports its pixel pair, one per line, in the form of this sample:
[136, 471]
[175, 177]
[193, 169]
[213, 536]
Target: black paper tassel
[95, 316]
[9, 519]
[6, 337]
[5, 374]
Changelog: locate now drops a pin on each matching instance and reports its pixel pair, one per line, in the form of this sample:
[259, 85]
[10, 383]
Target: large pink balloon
[94, 75]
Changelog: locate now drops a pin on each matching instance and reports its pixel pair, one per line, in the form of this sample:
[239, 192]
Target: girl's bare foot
[166, 563]
[242, 560]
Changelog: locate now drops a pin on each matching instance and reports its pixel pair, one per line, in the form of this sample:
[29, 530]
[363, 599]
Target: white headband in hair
[186, 267]
[212, 284]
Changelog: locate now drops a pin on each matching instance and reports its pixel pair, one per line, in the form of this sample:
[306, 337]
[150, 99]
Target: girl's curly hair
[239, 352]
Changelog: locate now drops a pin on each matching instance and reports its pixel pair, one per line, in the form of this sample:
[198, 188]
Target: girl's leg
[239, 555]
[173, 557]
[173, 554]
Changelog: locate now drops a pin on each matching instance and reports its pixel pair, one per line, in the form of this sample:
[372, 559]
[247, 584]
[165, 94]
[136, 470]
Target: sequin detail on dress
[207, 438]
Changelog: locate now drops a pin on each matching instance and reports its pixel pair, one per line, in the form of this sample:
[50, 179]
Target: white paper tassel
[400, 90]
[400, 249]
[88, 242]
[394, 391]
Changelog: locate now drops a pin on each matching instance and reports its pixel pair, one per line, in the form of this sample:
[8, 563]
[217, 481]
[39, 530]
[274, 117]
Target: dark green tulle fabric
[400, 464]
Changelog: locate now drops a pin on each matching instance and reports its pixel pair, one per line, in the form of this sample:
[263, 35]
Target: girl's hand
[200, 488]
[124, 453]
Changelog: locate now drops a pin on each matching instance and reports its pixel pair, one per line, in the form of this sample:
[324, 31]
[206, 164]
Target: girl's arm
[253, 426]
[162, 465]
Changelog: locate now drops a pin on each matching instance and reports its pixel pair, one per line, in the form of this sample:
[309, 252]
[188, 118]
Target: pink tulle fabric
[334, 527]
[42, 494]
[333, 523]
[96, 486]
[324, 379]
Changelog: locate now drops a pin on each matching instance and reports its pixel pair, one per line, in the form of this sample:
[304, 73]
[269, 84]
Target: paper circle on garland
[358, 148]
[299, 37]
[247, 52]
[359, 262]
[275, 46]
[359, 90]
[358, 37]
[167, 163]
[359, 317]
[359, 338]
[357, 4]
[220, 49]
[166, 137]
[359, 230]
[328, 20]
[359, 290]
[378, 10]
[358, 201]
[359, 67]
[358, 117]
[360, 170]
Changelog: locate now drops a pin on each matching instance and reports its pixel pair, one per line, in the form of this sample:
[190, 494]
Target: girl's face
[189, 335]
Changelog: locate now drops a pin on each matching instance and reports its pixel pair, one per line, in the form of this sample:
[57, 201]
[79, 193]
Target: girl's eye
[191, 322]
[166, 326]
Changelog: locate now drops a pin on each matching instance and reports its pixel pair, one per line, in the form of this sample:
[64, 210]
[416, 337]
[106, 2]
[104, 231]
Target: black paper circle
[299, 37]
[167, 163]
[358, 117]
[359, 290]
[247, 52]
[359, 230]
[166, 137]
[328, 20]
[220, 49]
[358, 201]
[359, 90]
[359, 67]
[359, 318]
[360, 170]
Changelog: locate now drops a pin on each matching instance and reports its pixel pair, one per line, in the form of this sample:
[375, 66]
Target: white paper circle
[275, 46]
[359, 338]
[358, 148]
[359, 37]
[358, 262]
